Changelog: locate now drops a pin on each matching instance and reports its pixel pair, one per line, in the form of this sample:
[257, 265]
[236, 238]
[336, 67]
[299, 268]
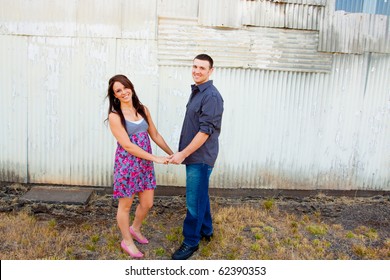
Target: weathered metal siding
[222, 13]
[13, 108]
[298, 113]
[174, 8]
[294, 130]
[306, 2]
[263, 14]
[374, 132]
[68, 55]
[88, 18]
[353, 32]
[278, 14]
[66, 81]
[79, 18]
[138, 19]
[255, 47]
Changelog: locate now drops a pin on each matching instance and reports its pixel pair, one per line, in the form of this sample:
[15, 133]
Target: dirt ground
[371, 211]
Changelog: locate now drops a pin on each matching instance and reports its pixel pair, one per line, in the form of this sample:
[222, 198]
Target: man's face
[201, 71]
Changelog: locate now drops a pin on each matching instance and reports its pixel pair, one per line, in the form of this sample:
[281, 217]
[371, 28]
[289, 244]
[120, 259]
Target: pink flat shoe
[126, 249]
[139, 240]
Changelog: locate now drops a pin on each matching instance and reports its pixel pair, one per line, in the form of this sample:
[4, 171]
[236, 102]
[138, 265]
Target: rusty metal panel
[263, 48]
[13, 109]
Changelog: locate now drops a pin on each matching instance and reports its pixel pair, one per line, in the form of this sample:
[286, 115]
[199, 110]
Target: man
[198, 150]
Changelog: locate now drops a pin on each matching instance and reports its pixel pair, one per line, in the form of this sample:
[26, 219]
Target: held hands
[162, 160]
[176, 158]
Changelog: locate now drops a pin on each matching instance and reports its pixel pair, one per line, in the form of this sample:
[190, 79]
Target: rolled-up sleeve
[211, 114]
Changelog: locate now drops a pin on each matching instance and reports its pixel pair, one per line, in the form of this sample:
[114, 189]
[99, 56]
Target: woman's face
[121, 92]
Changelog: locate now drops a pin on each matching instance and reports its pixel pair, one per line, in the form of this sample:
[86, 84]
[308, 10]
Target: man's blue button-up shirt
[203, 114]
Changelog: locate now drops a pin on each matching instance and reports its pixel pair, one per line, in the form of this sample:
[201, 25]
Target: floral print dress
[132, 174]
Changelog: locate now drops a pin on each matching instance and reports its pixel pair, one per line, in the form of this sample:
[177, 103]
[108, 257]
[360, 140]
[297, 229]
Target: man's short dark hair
[204, 56]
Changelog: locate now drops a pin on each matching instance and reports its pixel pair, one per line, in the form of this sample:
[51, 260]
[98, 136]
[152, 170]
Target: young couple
[131, 124]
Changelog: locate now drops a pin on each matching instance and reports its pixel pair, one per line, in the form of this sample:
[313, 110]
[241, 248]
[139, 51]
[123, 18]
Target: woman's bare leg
[122, 218]
[145, 203]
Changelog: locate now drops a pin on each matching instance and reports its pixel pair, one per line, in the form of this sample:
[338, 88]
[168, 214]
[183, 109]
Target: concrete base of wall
[82, 194]
[267, 193]
[58, 195]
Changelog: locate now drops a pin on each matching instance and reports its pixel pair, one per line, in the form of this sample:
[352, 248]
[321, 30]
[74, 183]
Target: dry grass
[246, 231]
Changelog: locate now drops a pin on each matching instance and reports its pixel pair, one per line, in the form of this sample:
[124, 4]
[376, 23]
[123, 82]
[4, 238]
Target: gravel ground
[350, 212]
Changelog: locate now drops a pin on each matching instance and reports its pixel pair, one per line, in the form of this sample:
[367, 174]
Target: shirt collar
[203, 86]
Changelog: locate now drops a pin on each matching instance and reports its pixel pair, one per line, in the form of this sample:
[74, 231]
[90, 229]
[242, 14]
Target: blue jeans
[198, 220]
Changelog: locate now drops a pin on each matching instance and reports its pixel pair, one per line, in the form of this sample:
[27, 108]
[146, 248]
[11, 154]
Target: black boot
[184, 252]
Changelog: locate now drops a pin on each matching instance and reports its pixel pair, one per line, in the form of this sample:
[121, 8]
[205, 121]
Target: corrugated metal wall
[56, 60]
[298, 113]
[254, 47]
[13, 108]
[356, 33]
[380, 7]
[298, 130]
[290, 14]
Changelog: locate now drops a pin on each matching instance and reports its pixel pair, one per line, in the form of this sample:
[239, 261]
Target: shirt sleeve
[211, 114]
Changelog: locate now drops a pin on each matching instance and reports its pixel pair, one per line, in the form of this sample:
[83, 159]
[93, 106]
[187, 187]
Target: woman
[131, 124]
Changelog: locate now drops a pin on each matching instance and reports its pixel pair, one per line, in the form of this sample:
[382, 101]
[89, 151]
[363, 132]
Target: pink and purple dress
[132, 174]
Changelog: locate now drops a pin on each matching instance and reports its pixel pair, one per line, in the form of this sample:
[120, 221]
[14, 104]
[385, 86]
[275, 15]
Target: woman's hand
[161, 160]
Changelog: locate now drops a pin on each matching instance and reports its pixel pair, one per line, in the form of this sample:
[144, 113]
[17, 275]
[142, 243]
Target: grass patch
[95, 238]
[269, 204]
[206, 251]
[317, 230]
[246, 231]
[174, 235]
[52, 223]
[159, 251]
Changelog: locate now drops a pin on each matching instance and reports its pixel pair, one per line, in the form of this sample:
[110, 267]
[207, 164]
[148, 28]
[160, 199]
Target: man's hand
[177, 158]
